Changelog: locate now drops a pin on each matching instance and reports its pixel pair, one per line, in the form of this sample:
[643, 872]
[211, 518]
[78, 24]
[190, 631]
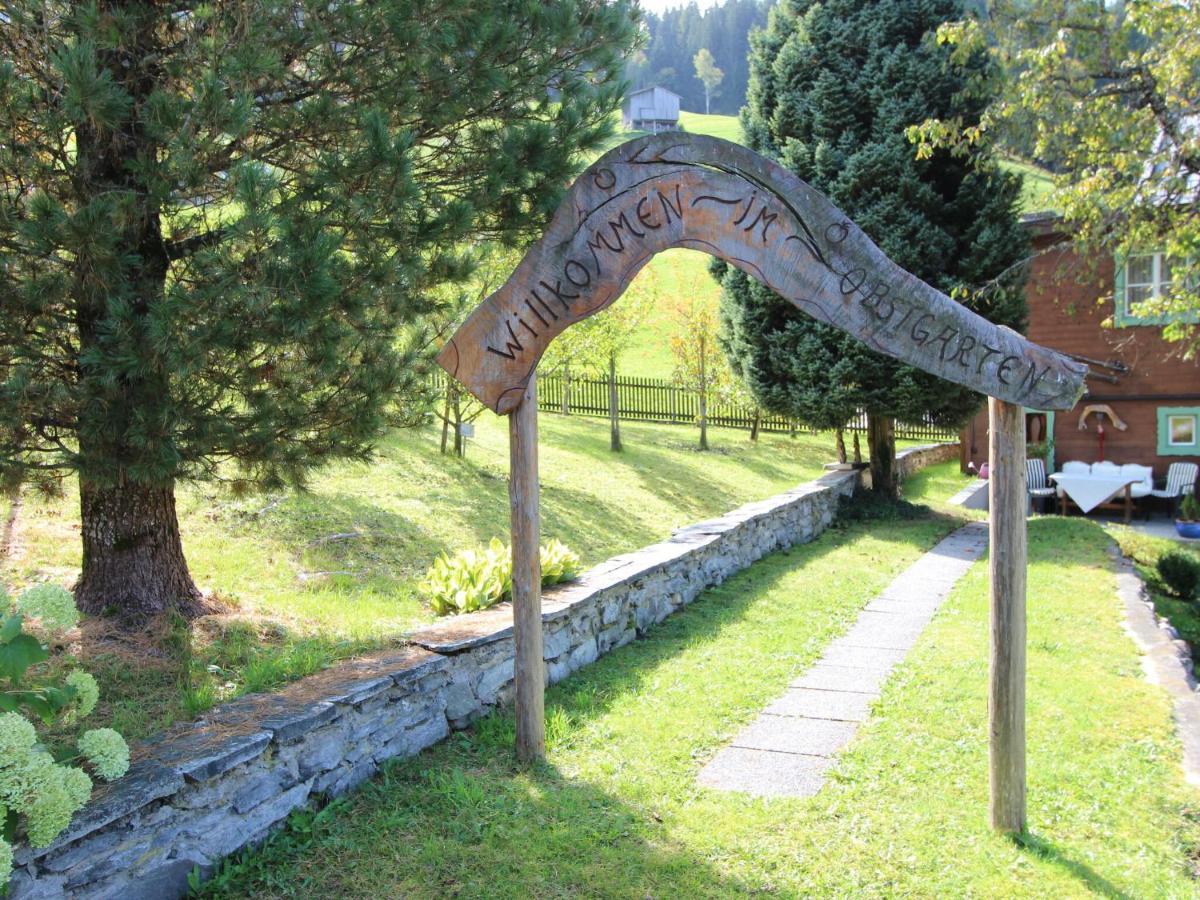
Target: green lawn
[325, 574]
[616, 811]
[727, 127]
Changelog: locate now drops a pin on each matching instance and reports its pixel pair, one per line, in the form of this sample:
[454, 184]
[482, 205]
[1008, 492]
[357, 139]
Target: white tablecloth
[1089, 491]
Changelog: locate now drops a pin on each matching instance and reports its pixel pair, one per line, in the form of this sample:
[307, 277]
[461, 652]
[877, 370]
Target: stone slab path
[787, 750]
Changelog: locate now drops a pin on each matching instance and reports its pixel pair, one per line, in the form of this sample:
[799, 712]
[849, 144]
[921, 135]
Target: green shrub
[471, 580]
[1189, 509]
[39, 793]
[559, 562]
[1180, 572]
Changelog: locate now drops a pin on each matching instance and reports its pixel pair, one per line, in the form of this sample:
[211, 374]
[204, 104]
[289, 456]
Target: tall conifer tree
[834, 85]
[221, 223]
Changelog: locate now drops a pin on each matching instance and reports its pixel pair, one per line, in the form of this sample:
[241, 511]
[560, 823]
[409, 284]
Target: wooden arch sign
[674, 190]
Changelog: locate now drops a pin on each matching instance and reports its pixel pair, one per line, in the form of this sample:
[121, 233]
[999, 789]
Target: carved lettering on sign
[690, 191]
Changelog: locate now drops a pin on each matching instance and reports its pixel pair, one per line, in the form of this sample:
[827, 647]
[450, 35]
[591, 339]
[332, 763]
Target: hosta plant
[471, 580]
[559, 562]
[40, 791]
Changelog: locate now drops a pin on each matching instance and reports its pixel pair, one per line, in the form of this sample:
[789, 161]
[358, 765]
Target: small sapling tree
[699, 365]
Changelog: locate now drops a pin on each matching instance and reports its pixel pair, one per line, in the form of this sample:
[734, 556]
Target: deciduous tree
[1110, 94]
[699, 365]
[708, 73]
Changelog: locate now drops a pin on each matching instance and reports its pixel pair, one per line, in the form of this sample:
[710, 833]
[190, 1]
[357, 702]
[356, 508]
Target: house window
[1179, 431]
[1142, 277]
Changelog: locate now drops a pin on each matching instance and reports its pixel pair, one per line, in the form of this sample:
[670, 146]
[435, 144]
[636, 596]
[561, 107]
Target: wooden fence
[659, 400]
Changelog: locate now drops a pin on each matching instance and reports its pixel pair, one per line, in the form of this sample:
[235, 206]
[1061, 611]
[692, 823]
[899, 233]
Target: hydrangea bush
[39, 792]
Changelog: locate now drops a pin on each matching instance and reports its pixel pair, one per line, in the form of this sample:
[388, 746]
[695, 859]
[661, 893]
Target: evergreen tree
[833, 87]
[221, 224]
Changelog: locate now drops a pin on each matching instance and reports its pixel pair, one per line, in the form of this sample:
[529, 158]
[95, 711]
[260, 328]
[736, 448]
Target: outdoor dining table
[1089, 491]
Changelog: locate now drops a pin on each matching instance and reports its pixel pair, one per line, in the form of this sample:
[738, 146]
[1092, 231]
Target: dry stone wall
[207, 789]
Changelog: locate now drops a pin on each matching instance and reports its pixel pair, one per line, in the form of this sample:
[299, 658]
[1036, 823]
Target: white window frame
[1155, 284]
[1191, 417]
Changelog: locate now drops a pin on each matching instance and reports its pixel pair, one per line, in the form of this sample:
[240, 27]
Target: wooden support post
[1006, 702]
[529, 676]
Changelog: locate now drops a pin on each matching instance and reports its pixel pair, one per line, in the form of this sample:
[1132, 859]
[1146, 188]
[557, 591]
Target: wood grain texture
[523, 495]
[1007, 501]
[675, 190]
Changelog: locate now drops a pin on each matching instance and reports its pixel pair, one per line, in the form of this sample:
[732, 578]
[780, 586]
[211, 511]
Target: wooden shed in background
[652, 109]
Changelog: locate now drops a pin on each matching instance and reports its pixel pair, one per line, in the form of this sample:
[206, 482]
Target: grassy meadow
[683, 274]
[616, 810]
[310, 577]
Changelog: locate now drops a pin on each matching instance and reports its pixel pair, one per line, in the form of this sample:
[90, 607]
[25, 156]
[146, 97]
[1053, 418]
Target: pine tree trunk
[840, 438]
[754, 423]
[566, 391]
[446, 414]
[881, 443]
[614, 419]
[703, 402]
[133, 564]
[857, 450]
[460, 443]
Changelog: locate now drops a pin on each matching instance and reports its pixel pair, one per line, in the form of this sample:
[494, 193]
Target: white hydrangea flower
[52, 605]
[87, 692]
[106, 751]
[58, 795]
[17, 737]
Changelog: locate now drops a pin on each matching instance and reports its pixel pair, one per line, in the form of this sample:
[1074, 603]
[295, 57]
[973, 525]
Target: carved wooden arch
[673, 190]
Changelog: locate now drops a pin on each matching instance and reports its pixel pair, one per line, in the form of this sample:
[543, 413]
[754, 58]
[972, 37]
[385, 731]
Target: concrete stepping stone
[809, 703]
[788, 749]
[793, 734]
[762, 773]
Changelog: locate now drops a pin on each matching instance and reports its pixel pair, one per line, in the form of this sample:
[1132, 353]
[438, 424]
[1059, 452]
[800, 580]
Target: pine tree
[221, 225]
[833, 87]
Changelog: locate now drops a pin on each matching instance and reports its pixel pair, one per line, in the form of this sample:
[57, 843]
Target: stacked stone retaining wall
[209, 788]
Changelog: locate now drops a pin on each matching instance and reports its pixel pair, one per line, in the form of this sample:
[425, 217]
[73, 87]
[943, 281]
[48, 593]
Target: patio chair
[1039, 490]
[1181, 480]
[1141, 488]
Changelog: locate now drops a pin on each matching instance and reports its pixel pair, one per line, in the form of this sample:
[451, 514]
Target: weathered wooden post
[1007, 531]
[529, 672]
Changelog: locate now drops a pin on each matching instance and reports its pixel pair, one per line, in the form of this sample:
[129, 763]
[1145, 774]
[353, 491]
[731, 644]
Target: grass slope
[616, 811]
[683, 273]
[325, 574]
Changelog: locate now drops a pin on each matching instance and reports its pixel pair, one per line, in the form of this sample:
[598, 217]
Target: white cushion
[1139, 490]
[1075, 467]
[1145, 474]
[1106, 468]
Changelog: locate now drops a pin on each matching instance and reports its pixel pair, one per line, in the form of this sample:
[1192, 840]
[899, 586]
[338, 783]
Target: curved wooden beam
[679, 190]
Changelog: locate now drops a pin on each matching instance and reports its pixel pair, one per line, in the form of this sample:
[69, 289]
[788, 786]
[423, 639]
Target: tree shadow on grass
[463, 819]
[591, 691]
[1046, 849]
[469, 822]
